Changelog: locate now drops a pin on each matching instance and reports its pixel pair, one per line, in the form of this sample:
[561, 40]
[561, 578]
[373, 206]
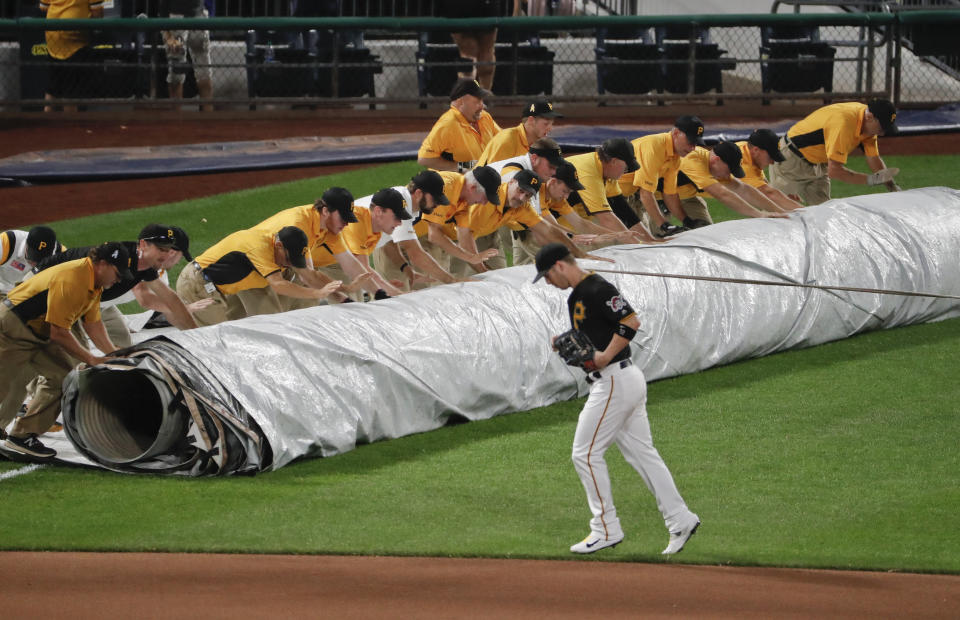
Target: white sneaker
[679, 539]
[594, 542]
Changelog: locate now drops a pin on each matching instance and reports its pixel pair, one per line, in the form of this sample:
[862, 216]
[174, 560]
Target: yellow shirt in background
[831, 133]
[59, 296]
[453, 134]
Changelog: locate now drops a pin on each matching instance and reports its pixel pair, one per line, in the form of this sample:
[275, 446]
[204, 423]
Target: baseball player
[459, 136]
[158, 248]
[35, 340]
[599, 172]
[535, 124]
[760, 150]
[245, 260]
[197, 41]
[406, 255]
[658, 156]
[477, 186]
[816, 149]
[324, 221]
[615, 411]
[20, 251]
[513, 206]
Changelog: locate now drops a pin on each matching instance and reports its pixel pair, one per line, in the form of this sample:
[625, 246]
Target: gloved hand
[381, 294]
[667, 229]
[882, 176]
[692, 223]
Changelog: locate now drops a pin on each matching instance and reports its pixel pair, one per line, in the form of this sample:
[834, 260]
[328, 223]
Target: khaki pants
[391, 271]
[695, 207]
[29, 356]
[190, 288]
[525, 247]
[796, 176]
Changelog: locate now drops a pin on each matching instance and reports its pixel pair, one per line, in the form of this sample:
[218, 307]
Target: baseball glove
[576, 349]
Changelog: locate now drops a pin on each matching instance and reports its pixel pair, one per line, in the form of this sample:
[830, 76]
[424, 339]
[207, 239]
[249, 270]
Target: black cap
[540, 108]
[340, 199]
[467, 86]
[567, 173]
[489, 179]
[167, 237]
[548, 149]
[391, 199]
[692, 126]
[117, 255]
[548, 256]
[528, 180]
[41, 243]
[768, 141]
[730, 154]
[431, 182]
[294, 242]
[886, 113]
[621, 149]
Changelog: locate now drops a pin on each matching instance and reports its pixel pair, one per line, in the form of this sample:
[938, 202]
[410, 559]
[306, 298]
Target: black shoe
[29, 446]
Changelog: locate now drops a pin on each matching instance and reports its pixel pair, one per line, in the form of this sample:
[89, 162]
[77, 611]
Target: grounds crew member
[459, 136]
[245, 260]
[20, 251]
[536, 123]
[658, 156]
[760, 150]
[599, 172]
[483, 220]
[542, 158]
[816, 149]
[323, 222]
[387, 208]
[406, 255]
[615, 411]
[158, 247]
[477, 186]
[35, 340]
[718, 173]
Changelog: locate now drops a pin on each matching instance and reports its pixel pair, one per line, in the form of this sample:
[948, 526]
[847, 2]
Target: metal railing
[397, 61]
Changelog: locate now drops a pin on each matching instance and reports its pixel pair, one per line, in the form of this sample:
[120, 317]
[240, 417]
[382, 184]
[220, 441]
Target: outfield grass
[843, 455]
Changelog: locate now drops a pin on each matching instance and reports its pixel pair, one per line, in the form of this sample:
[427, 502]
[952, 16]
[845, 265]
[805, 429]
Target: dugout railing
[375, 62]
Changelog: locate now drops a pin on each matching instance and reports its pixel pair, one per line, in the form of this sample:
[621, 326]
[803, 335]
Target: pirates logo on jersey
[579, 313]
[616, 303]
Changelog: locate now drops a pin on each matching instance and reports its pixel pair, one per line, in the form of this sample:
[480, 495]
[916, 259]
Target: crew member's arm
[783, 201]
[881, 174]
[65, 339]
[317, 280]
[544, 234]
[755, 197]
[437, 237]
[422, 261]
[156, 295]
[617, 343]
[735, 202]
[879, 167]
[354, 269]
[283, 287]
[438, 163]
[469, 244]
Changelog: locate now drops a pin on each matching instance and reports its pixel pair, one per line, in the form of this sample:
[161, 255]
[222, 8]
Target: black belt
[595, 375]
[203, 274]
[793, 147]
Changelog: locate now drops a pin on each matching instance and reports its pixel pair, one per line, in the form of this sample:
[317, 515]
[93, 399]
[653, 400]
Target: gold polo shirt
[831, 133]
[752, 173]
[657, 161]
[484, 219]
[240, 261]
[453, 134]
[359, 236]
[323, 244]
[63, 44]
[59, 296]
[592, 199]
[507, 144]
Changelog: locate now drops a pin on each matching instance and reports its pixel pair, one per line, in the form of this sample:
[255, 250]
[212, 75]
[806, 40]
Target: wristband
[404, 266]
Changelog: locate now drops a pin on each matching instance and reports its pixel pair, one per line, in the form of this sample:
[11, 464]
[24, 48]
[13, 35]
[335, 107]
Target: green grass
[843, 455]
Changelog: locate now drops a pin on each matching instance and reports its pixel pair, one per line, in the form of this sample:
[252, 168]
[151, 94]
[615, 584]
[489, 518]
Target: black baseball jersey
[597, 309]
[118, 289]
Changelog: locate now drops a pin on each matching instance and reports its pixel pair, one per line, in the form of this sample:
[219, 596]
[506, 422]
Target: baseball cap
[117, 255]
[41, 243]
[540, 108]
[730, 154]
[549, 149]
[391, 199]
[528, 180]
[692, 126]
[768, 141]
[621, 149]
[489, 179]
[431, 182]
[467, 86]
[167, 236]
[340, 199]
[295, 243]
[548, 256]
[886, 113]
[567, 173]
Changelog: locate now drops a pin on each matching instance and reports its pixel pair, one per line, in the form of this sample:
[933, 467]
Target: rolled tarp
[317, 382]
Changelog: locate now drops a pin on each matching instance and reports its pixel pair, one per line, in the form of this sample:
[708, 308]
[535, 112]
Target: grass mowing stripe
[13, 473]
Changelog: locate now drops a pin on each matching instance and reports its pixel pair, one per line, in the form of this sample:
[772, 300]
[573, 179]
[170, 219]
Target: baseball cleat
[593, 542]
[679, 539]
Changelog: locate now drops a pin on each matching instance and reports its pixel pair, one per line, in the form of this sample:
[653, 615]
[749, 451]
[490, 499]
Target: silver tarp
[319, 381]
